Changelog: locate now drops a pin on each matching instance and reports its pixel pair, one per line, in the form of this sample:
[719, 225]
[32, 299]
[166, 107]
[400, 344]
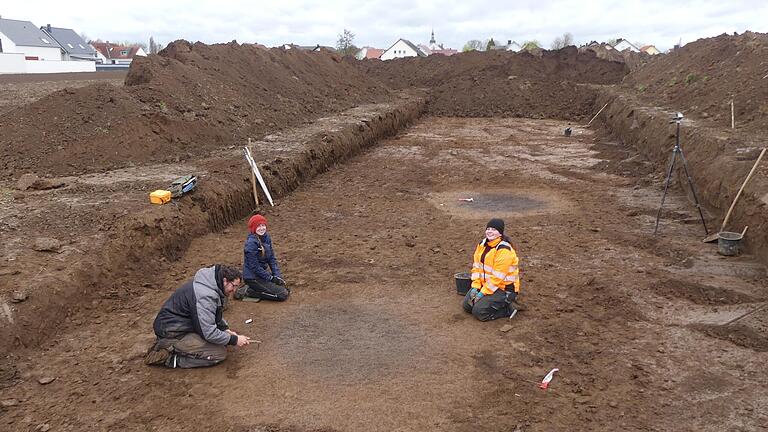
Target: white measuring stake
[256, 171]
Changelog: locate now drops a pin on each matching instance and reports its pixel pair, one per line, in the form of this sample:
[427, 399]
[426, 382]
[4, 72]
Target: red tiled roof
[445, 52]
[112, 51]
[373, 53]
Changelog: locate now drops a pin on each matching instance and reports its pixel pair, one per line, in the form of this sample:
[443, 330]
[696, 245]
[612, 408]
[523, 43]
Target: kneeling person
[261, 272]
[190, 329]
[495, 276]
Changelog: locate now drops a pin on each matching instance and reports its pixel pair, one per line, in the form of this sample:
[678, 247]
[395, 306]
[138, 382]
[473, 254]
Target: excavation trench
[373, 336]
[129, 241]
[718, 159]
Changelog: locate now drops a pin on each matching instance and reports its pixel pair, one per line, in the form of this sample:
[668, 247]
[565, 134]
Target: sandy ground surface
[374, 338]
[18, 90]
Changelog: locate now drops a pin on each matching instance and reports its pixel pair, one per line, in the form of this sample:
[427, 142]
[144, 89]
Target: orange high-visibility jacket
[495, 267]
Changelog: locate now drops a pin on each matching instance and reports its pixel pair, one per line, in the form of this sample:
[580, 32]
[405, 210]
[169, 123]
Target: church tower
[432, 43]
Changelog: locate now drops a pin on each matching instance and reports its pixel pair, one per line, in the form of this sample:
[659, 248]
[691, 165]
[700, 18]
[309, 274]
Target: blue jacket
[255, 264]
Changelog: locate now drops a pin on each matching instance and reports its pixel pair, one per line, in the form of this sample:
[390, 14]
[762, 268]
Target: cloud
[381, 23]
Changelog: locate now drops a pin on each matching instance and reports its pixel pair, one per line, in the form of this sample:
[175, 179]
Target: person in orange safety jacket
[495, 276]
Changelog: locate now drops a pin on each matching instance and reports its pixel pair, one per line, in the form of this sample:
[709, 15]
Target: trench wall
[143, 245]
[718, 161]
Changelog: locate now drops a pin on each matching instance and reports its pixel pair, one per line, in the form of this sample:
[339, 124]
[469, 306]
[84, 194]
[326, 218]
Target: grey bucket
[463, 283]
[729, 243]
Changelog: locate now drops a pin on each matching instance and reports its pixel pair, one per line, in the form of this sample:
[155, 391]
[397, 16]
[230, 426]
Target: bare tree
[562, 41]
[152, 45]
[473, 45]
[345, 44]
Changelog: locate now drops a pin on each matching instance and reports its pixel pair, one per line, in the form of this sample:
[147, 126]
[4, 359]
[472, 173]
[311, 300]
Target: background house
[72, 45]
[510, 46]
[650, 49]
[23, 37]
[369, 53]
[623, 44]
[24, 48]
[112, 54]
[402, 48]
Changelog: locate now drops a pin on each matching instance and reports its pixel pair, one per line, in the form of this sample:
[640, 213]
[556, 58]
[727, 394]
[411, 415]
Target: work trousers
[190, 350]
[265, 290]
[490, 307]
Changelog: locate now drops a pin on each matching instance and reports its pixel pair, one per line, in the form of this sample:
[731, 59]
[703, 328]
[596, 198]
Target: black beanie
[496, 223]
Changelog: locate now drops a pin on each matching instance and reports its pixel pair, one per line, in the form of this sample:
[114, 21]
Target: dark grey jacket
[196, 307]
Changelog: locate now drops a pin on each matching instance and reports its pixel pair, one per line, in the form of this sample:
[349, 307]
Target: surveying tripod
[677, 150]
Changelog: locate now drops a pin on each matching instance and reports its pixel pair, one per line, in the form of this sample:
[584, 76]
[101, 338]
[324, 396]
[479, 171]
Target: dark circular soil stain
[498, 203]
[501, 202]
[350, 342]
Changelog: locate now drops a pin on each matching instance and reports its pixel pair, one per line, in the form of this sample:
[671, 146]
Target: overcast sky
[381, 23]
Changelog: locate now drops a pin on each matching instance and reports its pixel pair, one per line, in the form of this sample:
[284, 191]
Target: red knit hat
[255, 221]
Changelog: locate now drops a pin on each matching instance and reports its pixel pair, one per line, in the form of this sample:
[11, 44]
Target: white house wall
[8, 45]
[39, 66]
[15, 63]
[621, 46]
[42, 53]
[399, 50]
[12, 63]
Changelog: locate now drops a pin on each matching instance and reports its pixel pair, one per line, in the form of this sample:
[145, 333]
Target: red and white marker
[545, 382]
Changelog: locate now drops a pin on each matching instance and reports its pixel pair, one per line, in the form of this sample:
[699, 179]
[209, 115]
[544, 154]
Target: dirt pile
[633, 60]
[701, 78]
[186, 101]
[504, 83]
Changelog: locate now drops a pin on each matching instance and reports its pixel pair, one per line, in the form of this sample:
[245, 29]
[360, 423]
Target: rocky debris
[32, 181]
[7, 403]
[46, 380]
[43, 427]
[505, 328]
[47, 244]
[18, 296]
[139, 349]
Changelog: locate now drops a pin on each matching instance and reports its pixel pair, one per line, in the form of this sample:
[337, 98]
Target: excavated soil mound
[504, 83]
[702, 77]
[185, 102]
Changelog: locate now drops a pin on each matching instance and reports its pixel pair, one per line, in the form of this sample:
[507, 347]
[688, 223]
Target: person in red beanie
[260, 269]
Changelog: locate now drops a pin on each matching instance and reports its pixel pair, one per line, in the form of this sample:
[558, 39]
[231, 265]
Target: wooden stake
[733, 117]
[253, 178]
[598, 113]
[738, 194]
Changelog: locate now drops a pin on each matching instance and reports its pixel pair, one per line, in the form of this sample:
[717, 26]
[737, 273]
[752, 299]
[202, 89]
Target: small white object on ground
[249, 320]
[467, 199]
[545, 382]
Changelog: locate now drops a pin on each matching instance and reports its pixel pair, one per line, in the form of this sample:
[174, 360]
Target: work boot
[172, 361]
[241, 292]
[156, 357]
[515, 304]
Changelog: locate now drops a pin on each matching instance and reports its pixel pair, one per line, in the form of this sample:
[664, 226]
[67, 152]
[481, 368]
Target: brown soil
[185, 102]
[369, 329]
[701, 78]
[505, 84]
[107, 229]
[700, 293]
[373, 337]
[18, 90]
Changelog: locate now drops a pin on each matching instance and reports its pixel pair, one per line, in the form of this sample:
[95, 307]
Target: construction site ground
[18, 90]
[374, 337]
